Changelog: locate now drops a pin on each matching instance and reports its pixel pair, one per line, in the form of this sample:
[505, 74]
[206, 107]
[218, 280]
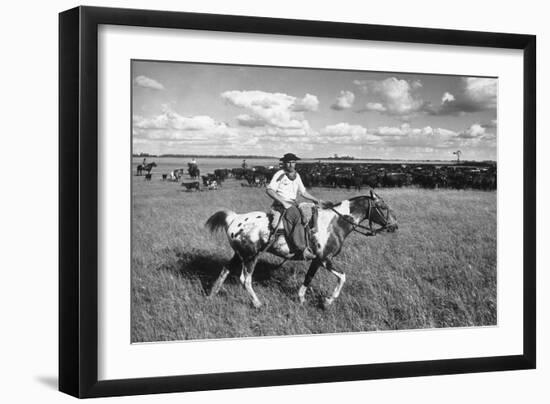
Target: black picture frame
[78, 200]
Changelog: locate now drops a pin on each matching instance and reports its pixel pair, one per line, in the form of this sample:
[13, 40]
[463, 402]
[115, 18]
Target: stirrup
[305, 255]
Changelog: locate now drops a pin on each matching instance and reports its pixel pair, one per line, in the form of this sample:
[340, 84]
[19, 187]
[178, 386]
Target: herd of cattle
[379, 175]
[467, 175]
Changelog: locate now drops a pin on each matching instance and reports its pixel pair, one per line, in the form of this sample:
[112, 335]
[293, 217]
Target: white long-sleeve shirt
[286, 188]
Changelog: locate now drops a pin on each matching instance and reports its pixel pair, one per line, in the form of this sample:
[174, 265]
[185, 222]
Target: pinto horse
[250, 234]
[147, 167]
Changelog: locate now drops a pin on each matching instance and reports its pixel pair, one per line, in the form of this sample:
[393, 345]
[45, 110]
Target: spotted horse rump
[250, 234]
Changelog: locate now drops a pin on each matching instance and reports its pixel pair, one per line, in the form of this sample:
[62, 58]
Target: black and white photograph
[274, 201]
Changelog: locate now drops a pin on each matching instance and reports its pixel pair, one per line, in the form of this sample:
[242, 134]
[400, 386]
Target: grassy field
[437, 270]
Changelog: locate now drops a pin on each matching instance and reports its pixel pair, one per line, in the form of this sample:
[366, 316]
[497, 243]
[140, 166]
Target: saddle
[308, 212]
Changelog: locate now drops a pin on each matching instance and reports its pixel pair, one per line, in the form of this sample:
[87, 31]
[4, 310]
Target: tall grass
[437, 270]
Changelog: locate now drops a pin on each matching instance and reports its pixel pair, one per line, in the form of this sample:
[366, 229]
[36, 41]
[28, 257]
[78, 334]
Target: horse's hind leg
[341, 280]
[313, 267]
[246, 279]
[235, 261]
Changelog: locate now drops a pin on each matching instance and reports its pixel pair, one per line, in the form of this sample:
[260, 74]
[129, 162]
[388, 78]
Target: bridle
[370, 230]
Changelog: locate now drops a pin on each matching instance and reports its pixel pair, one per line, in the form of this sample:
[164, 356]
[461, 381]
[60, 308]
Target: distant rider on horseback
[283, 189]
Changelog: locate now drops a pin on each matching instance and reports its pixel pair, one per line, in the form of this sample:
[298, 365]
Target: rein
[271, 239]
[371, 231]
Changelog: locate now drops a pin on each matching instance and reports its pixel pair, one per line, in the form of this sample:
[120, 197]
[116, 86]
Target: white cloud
[416, 84]
[173, 121]
[375, 106]
[345, 134]
[482, 91]
[344, 129]
[308, 103]
[169, 126]
[407, 136]
[392, 96]
[403, 130]
[474, 131]
[492, 124]
[344, 101]
[146, 82]
[424, 140]
[476, 94]
[250, 121]
[447, 97]
[435, 143]
[274, 110]
[269, 121]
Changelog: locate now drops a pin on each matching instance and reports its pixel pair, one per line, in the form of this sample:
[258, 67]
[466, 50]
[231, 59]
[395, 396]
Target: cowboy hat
[289, 157]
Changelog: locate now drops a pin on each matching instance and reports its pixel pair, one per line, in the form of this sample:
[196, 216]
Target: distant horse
[193, 170]
[250, 234]
[146, 167]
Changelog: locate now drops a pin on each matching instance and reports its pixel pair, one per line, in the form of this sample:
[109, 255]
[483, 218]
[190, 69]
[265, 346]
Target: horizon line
[250, 156]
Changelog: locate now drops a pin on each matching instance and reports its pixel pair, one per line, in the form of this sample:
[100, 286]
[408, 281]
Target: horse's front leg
[313, 267]
[341, 280]
[219, 282]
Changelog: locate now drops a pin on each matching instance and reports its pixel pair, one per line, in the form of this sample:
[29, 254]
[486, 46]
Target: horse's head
[375, 210]
[153, 164]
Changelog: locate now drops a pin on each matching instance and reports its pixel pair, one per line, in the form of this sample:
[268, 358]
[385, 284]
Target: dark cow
[238, 173]
[191, 186]
[396, 179]
[221, 174]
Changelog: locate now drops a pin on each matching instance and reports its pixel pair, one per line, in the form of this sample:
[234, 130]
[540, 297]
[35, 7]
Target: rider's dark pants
[294, 229]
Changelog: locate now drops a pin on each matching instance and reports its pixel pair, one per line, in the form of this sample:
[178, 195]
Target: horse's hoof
[257, 304]
[302, 294]
[327, 303]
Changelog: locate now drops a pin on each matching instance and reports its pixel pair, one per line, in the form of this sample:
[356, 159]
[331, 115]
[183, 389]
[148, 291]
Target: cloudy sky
[193, 108]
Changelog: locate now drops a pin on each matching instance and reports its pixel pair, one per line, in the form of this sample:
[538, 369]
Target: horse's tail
[220, 220]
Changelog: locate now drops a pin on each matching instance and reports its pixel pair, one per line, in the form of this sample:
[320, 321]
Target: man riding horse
[147, 167]
[284, 188]
[249, 235]
[193, 169]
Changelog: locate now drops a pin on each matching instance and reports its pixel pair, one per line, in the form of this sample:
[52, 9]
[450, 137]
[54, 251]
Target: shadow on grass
[206, 267]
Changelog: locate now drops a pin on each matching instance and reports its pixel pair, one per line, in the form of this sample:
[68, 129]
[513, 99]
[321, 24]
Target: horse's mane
[352, 199]
[359, 197]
